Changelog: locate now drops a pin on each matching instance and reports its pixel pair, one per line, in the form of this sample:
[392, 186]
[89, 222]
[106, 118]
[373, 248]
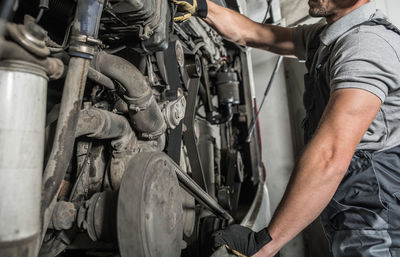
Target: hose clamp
[138, 104]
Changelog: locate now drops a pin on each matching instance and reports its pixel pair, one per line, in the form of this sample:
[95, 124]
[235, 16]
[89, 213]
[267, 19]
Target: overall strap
[313, 48]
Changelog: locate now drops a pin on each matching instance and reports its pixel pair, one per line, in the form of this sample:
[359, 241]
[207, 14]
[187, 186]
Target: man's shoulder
[309, 31]
[367, 38]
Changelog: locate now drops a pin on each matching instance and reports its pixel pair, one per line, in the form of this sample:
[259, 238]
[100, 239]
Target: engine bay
[144, 129]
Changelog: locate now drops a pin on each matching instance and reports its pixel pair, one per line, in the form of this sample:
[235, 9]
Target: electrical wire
[269, 2]
[254, 121]
[81, 171]
[40, 15]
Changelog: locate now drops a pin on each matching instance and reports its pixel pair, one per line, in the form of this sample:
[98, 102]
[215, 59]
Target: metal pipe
[100, 124]
[82, 40]
[144, 110]
[23, 89]
[200, 195]
[254, 121]
[64, 136]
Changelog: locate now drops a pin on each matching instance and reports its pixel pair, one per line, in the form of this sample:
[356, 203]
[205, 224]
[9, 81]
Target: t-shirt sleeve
[302, 36]
[366, 61]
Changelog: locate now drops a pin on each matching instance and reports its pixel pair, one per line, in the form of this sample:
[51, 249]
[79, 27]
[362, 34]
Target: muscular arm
[322, 164]
[240, 29]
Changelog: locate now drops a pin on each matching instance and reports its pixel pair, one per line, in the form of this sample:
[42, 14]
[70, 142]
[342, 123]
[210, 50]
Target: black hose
[40, 15]
[124, 72]
[100, 79]
[100, 124]
[145, 113]
[269, 2]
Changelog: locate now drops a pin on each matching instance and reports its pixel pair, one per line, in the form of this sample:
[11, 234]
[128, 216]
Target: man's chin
[317, 13]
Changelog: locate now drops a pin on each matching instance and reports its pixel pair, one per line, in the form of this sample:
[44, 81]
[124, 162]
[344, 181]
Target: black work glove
[187, 8]
[242, 241]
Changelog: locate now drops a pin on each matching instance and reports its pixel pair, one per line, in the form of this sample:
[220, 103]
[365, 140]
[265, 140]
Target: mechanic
[350, 168]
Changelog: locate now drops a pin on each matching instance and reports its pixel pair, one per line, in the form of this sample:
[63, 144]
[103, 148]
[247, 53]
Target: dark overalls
[363, 218]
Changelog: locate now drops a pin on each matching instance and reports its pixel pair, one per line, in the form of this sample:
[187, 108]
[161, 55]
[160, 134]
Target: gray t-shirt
[364, 57]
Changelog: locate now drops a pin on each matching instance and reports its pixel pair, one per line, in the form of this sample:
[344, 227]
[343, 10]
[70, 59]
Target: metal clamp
[139, 103]
[86, 39]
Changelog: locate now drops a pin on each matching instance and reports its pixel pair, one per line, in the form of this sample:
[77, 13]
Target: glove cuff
[202, 8]
[263, 237]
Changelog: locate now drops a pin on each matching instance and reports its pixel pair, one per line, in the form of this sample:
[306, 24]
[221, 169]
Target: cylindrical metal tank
[23, 88]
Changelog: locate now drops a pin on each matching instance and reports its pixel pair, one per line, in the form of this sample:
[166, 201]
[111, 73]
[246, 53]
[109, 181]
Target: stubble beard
[317, 9]
[318, 12]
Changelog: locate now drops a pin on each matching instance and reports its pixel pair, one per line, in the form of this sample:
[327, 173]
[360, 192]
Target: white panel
[393, 9]
[276, 135]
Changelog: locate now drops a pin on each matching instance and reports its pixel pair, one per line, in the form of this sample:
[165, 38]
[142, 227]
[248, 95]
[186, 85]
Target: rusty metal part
[30, 36]
[62, 149]
[64, 216]
[100, 124]
[174, 111]
[120, 160]
[12, 51]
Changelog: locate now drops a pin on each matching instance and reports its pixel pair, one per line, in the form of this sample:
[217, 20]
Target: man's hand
[187, 8]
[242, 241]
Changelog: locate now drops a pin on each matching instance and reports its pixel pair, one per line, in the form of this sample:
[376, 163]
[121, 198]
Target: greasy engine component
[64, 216]
[27, 43]
[98, 216]
[174, 111]
[228, 87]
[144, 111]
[148, 18]
[149, 214]
[23, 88]
[82, 42]
[228, 94]
[100, 124]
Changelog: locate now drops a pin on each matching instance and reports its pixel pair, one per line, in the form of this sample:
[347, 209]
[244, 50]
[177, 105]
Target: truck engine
[122, 133]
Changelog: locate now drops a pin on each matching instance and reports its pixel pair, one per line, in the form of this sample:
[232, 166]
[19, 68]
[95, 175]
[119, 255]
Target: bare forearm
[312, 185]
[323, 164]
[242, 30]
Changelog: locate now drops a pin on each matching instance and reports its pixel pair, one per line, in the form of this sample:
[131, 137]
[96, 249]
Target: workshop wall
[277, 141]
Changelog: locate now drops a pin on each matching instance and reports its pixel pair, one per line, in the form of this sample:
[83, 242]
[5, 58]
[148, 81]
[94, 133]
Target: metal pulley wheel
[149, 214]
